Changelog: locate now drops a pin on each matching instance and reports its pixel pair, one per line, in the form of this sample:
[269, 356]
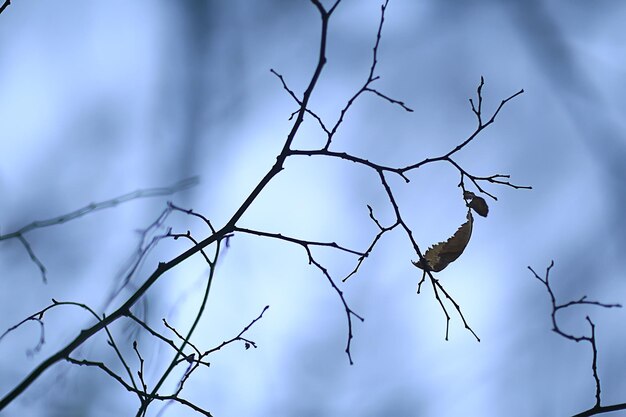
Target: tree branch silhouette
[597, 408]
[4, 5]
[186, 353]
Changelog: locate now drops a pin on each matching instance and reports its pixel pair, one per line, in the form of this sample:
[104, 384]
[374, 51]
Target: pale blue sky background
[101, 98]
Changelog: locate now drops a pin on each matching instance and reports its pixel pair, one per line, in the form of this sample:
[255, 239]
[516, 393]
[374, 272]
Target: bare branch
[144, 387]
[305, 244]
[153, 332]
[192, 213]
[436, 285]
[102, 366]
[226, 230]
[5, 5]
[389, 99]
[478, 113]
[601, 410]
[349, 311]
[598, 408]
[182, 343]
[457, 307]
[369, 250]
[247, 343]
[141, 394]
[297, 100]
[366, 86]
[186, 340]
[188, 236]
[301, 242]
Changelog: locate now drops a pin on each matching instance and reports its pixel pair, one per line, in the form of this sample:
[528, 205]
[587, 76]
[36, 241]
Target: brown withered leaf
[442, 254]
[468, 195]
[478, 204]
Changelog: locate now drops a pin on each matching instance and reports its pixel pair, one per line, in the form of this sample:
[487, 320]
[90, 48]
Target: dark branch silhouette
[185, 352]
[5, 5]
[598, 408]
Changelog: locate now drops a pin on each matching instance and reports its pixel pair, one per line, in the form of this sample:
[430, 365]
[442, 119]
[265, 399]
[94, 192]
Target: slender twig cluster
[403, 172]
[181, 344]
[598, 408]
[185, 352]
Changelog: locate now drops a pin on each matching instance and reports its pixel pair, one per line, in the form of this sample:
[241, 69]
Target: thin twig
[348, 310]
[247, 343]
[305, 244]
[174, 362]
[163, 267]
[230, 227]
[129, 388]
[366, 86]
[192, 213]
[301, 242]
[436, 285]
[368, 251]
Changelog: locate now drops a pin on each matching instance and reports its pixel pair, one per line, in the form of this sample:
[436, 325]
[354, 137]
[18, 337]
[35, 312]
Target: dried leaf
[478, 204]
[468, 195]
[442, 254]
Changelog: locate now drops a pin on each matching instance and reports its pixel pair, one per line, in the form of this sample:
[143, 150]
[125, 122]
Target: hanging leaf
[478, 204]
[442, 254]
